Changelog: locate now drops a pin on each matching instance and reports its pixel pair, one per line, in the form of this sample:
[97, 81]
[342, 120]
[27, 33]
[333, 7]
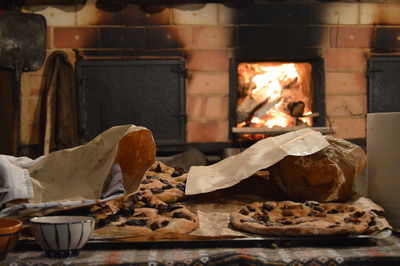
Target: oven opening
[276, 96]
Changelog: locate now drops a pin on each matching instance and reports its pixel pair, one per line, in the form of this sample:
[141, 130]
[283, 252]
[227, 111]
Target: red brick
[35, 84]
[345, 60]
[208, 131]
[349, 127]
[132, 15]
[351, 37]
[208, 60]
[325, 35]
[76, 37]
[345, 83]
[208, 82]
[49, 37]
[168, 37]
[345, 105]
[208, 107]
[213, 37]
[90, 14]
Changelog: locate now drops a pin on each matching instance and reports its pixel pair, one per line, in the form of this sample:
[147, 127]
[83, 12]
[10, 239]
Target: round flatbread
[288, 218]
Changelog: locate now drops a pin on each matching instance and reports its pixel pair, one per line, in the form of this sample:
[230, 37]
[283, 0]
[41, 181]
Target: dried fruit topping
[320, 214]
[311, 203]
[267, 207]
[181, 215]
[137, 222]
[112, 218]
[181, 187]
[319, 208]
[169, 186]
[286, 222]
[352, 220]
[312, 213]
[264, 218]
[145, 181]
[358, 214]
[140, 215]
[127, 211]
[152, 177]
[101, 223]
[178, 172]
[244, 211]
[164, 223]
[162, 208]
[247, 221]
[154, 226]
[173, 208]
[287, 213]
[333, 226]
[250, 208]
[150, 205]
[333, 211]
[156, 190]
[164, 181]
[372, 222]
[157, 169]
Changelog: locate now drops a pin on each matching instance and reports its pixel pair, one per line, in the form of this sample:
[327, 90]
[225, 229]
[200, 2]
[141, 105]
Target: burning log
[296, 109]
[260, 112]
[247, 107]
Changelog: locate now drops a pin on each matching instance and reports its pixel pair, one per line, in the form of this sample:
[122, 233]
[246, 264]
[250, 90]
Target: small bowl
[62, 236]
[9, 230]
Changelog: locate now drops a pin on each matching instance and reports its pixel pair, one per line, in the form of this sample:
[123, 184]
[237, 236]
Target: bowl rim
[85, 219]
[12, 229]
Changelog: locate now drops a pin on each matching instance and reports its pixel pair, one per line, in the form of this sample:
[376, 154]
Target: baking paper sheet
[88, 173]
[262, 154]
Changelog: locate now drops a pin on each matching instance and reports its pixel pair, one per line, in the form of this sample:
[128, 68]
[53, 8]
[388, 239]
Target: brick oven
[211, 39]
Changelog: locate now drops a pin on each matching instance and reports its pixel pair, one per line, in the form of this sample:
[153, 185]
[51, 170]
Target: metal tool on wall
[22, 49]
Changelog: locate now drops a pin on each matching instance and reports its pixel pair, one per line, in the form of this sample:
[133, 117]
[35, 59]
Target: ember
[274, 94]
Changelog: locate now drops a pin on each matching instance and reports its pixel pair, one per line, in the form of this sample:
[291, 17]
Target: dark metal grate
[384, 84]
[143, 92]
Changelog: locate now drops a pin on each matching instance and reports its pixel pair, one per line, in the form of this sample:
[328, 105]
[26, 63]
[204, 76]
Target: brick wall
[208, 35]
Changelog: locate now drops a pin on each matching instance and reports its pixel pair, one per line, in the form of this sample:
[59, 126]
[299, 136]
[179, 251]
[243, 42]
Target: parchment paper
[262, 154]
[80, 173]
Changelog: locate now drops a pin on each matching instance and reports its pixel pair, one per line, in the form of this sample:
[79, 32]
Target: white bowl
[62, 236]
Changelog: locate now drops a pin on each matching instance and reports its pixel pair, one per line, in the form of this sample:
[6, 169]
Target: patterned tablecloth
[383, 251]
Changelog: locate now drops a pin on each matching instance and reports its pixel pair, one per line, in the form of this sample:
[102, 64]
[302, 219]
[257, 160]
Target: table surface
[377, 252]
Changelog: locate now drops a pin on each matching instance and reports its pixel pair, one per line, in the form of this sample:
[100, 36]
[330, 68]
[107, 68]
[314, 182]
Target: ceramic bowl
[9, 230]
[62, 236]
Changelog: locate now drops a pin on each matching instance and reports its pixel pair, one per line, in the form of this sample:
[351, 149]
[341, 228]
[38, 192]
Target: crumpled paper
[262, 154]
[85, 172]
[80, 173]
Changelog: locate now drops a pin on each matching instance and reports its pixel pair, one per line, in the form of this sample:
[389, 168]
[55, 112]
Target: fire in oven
[276, 96]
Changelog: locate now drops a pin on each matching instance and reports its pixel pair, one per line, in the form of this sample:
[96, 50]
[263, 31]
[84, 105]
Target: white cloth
[14, 178]
[16, 184]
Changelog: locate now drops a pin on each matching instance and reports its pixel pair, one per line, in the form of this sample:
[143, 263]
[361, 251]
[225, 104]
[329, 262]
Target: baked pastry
[165, 183]
[143, 214]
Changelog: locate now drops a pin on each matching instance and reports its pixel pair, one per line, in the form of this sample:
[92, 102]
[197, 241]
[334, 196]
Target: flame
[272, 86]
